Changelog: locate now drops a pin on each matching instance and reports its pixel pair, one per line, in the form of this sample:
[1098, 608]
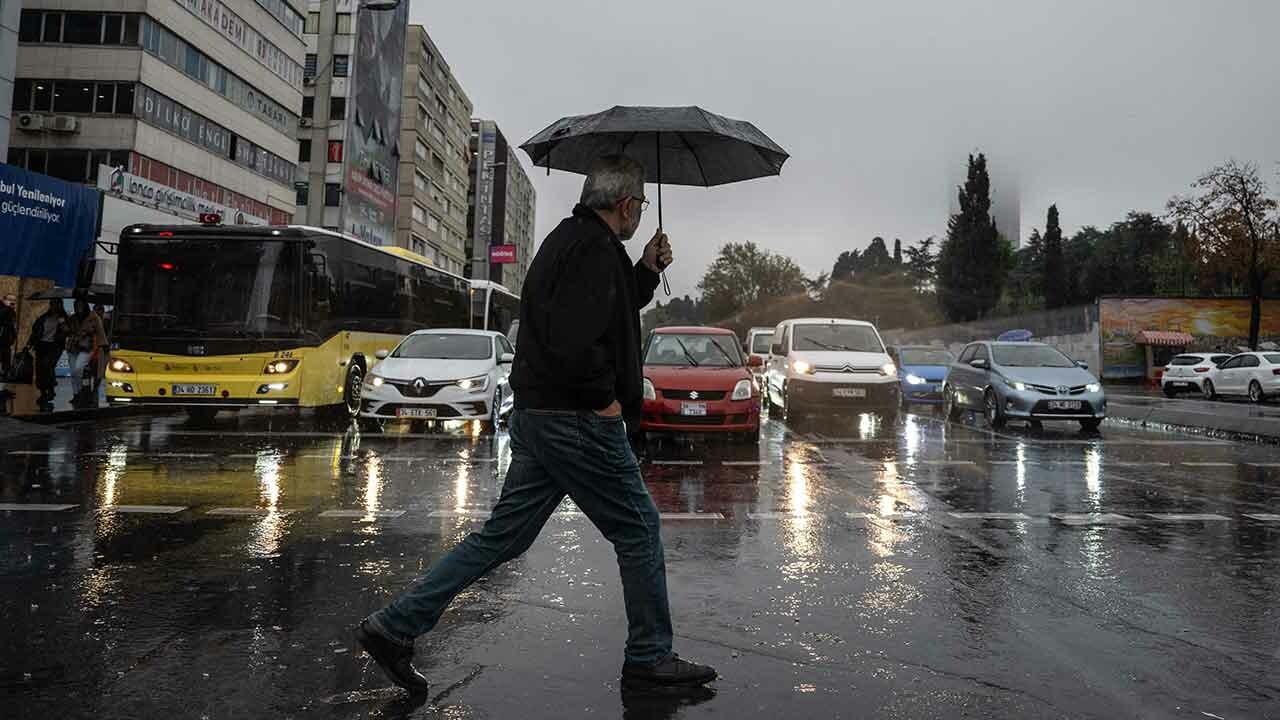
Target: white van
[830, 364]
[759, 340]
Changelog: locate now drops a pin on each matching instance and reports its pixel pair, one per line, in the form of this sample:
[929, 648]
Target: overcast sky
[1101, 106]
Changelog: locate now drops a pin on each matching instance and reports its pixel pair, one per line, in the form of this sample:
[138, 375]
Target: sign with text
[502, 254]
[46, 225]
[162, 197]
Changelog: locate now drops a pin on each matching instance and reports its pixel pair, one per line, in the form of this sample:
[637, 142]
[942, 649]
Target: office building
[10, 12]
[500, 210]
[435, 130]
[189, 103]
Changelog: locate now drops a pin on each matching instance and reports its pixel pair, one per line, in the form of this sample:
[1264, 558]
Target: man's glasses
[644, 204]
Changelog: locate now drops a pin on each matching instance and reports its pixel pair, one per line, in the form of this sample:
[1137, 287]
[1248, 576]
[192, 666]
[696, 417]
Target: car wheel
[1091, 425]
[495, 411]
[950, 407]
[1169, 392]
[903, 401]
[1207, 391]
[994, 413]
[1255, 392]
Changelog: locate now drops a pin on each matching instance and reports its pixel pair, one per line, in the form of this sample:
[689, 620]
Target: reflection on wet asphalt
[841, 569]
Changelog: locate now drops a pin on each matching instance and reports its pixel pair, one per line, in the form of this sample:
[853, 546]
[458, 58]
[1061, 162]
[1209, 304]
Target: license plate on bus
[194, 389]
[696, 409]
[1065, 404]
[427, 413]
[848, 392]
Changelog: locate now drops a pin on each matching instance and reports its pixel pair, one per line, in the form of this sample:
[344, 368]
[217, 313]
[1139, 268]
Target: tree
[743, 274]
[897, 251]
[849, 262]
[876, 259]
[1235, 217]
[816, 286]
[1023, 288]
[922, 265]
[679, 311]
[1053, 281]
[973, 264]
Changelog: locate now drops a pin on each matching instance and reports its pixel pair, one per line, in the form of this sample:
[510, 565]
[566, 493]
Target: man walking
[8, 337]
[48, 337]
[577, 382]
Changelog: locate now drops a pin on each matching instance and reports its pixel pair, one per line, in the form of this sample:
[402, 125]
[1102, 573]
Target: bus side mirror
[381, 354]
[506, 358]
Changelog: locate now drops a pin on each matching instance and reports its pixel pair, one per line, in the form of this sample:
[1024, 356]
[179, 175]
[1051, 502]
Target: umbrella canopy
[94, 294]
[676, 145]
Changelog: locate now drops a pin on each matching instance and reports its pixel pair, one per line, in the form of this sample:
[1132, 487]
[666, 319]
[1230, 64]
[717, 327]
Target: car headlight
[802, 367]
[1093, 387]
[915, 380]
[374, 380]
[121, 366]
[741, 391]
[1020, 387]
[889, 369]
[476, 383]
[649, 392]
[279, 367]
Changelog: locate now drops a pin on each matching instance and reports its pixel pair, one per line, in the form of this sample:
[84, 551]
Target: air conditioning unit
[64, 124]
[304, 122]
[30, 122]
[309, 81]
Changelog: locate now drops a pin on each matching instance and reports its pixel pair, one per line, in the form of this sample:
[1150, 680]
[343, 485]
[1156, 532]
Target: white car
[830, 364]
[441, 375]
[1255, 375]
[759, 340]
[1186, 372]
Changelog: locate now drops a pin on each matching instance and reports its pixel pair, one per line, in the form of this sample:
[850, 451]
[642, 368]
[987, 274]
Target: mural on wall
[1215, 323]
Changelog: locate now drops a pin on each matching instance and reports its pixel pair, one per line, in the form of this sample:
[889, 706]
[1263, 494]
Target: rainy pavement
[156, 568]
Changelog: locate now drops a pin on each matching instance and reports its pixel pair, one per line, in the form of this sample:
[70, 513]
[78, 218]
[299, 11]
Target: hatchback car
[1255, 375]
[922, 370]
[831, 364]
[696, 379]
[1187, 372]
[1023, 380]
[441, 375]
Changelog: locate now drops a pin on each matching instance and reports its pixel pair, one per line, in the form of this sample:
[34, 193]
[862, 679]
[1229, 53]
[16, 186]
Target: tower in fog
[1006, 207]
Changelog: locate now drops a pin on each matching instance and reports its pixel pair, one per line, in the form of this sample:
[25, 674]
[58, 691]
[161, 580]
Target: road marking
[35, 507]
[1208, 464]
[945, 462]
[471, 460]
[692, 516]
[1264, 465]
[245, 512]
[1021, 517]
[34, 452]
[879, 515]
[1263, 517]
[145, 509]
[1093, 519]
[675, 462]
[1135, 464]
[1187, 517]
[179, 455]
[1009, 462]
[477, 514]
[742, 463]
[799, 515]
[361, 513]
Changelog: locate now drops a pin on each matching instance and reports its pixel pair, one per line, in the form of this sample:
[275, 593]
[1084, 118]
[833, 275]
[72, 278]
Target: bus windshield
[183, 287]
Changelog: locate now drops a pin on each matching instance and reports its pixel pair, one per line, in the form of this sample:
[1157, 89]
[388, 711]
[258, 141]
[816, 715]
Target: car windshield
[443, 346]
[761, 343]
[908, 356]
[837, 337]
[1187, 360]
[1273, 359]
[171, 287]
[1031, 356]
[694, 350]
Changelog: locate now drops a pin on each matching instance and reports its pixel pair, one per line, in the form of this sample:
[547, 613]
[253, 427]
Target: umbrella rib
[696, 159]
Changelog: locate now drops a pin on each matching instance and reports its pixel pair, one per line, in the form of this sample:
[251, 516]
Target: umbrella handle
[666, 286]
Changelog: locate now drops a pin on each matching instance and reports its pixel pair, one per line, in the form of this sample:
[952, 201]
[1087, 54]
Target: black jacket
[579, 340]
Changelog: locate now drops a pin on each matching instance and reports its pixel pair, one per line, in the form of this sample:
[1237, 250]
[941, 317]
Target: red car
[697, 380]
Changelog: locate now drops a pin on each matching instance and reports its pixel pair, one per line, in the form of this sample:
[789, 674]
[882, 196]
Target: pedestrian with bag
[86, 343]
[577, 383]
[48, 339]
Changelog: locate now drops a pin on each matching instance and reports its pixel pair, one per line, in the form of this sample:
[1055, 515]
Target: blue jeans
[556, 453]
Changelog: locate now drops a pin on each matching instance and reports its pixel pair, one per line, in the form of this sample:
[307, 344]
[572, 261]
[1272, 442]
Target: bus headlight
[475, 384]
[121, 366]
[280, 367]
[741, 391]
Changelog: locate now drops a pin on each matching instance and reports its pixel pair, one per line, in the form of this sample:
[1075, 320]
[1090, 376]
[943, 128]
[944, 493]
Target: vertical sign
[372, 148]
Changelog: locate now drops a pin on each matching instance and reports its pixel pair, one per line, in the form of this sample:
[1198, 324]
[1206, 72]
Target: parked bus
[210, 317]
[493, 307]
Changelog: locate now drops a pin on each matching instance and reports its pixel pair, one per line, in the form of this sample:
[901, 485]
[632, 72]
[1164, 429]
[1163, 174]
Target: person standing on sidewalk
[88, 342]
[48, 337]
[576, 379]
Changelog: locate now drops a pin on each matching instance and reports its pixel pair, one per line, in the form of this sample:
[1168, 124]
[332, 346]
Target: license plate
[1065, 404]
[695, 409]
[193, 389]
[848, 392]
[427, 413]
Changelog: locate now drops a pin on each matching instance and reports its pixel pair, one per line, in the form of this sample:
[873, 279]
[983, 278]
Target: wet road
[153, 568]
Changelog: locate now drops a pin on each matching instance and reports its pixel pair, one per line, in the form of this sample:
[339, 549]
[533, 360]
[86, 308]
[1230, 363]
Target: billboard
[142, 191]
[502, 254]
[372, 148]
[46, 225]
[1217, 324]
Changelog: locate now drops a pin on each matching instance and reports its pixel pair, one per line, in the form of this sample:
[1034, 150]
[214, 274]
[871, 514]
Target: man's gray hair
[613, 178]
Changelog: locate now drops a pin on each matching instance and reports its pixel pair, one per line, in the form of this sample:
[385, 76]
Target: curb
[1252, 428]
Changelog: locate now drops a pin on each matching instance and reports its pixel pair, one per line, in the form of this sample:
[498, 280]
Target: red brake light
[166, 266]
[1202, 369]
[165, 233]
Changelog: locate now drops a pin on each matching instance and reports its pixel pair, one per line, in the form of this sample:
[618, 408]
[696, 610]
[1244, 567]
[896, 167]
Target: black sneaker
[670, 672]
[395, 660]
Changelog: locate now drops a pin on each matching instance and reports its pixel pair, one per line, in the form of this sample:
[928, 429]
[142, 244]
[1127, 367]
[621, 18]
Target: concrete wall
[1074, 331]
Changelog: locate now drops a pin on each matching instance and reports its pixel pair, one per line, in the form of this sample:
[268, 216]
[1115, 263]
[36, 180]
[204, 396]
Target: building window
[332, 194]
[124, 98]
[437, 132]
[419, 245]
[304, 151]
[131, 30]
[433, 223]
[303, 195]
[344, 23]
[309, 67]
[72, 97]
[420, 182]
[335, 151]
[106, 101]
[82, 29]
[419, 213]
[312, 24]
[52, 27]
[419, 149]
[337, 108]
[341, 65]
[308, 106]
[29, 26]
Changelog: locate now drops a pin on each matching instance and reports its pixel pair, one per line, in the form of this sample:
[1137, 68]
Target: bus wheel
[351, 391]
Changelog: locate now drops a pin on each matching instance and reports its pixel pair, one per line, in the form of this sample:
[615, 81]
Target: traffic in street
[842, 567]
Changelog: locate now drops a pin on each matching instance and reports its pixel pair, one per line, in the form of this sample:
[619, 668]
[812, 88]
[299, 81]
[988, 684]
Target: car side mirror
[755, 361]
[381, 354]
[979, 363]
[506, 358]
[776, 349]
[1082, 364]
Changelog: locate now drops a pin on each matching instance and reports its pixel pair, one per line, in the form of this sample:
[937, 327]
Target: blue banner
[46, 225]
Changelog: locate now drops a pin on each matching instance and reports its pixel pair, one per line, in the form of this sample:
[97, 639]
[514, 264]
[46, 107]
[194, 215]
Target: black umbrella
[94, 294]
[676, 146]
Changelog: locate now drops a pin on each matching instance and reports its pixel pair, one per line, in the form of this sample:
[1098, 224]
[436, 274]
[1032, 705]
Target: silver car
[1023, 381]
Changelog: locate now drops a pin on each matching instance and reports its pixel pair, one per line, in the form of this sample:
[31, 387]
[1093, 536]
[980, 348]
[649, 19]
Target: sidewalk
[22, 406]
[1235, 416]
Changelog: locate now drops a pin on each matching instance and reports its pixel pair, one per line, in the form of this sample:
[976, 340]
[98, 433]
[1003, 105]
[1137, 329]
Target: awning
[1167, 338]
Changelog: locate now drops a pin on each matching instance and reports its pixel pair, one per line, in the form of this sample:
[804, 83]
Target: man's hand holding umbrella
[657, 253]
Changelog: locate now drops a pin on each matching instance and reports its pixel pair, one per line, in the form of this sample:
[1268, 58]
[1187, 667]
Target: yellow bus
[214, 317]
